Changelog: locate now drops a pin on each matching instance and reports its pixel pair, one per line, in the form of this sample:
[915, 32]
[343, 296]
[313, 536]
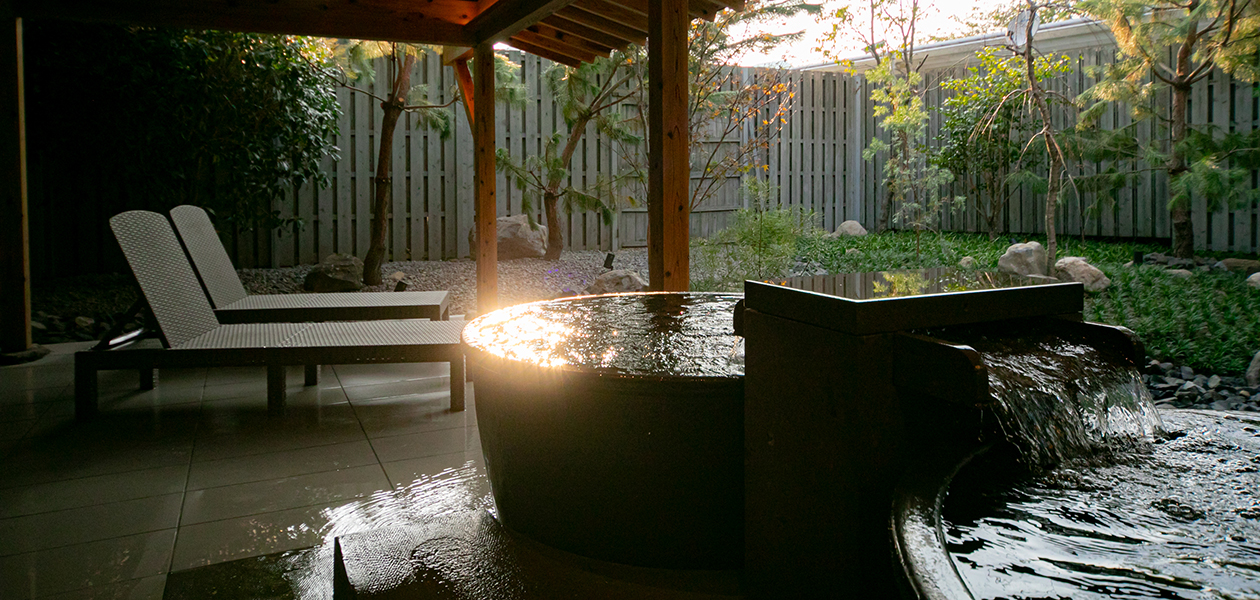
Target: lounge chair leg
[457, 383]
[85, 388]
[312, 375]
[275, 388]
[146, 378]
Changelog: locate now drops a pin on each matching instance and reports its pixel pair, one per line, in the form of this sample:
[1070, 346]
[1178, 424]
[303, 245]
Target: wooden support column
[669, 162]
[15, 263]
[484, 182]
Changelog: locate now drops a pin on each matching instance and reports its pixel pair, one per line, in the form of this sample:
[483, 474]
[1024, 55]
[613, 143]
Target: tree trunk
[1052, 149]
[551, 195]
[555, 239]
[1179, 208]
[393, 109]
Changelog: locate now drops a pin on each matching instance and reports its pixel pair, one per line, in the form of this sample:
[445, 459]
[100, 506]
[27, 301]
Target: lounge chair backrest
[208, 256]
[165, 277]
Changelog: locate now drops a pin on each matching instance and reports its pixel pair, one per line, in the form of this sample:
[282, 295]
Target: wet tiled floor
[195, 472]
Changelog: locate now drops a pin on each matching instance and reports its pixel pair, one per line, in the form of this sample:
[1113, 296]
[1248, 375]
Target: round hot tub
[612, 426]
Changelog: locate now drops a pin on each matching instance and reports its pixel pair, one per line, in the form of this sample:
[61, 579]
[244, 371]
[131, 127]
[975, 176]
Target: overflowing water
[1180, 519]
[1058, 394]
[635, 334]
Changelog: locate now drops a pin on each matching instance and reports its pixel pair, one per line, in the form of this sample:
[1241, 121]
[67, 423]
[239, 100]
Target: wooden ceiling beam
[554, 45]
[504, 18]
[699, 9]
[573, 28]
[598, 47]
[614, 12]
[544, 52]
[396, 21]
[608, 27]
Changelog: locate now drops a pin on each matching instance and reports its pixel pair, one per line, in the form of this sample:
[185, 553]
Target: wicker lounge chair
[192, 337]
[233, 305]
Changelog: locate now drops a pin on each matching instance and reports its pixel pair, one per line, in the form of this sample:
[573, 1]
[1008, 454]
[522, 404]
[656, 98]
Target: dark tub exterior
[643, 470]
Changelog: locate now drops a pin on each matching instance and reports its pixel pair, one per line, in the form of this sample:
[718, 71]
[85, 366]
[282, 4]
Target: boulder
[1024, 259]
[1245, 266]
[516, 238]
[852, 251]
[1076, 268]
[620, 280]
[1253, 371]
[967, 262]
[849, 228]
[1179, 273]
[1254, 280]
[337, 273]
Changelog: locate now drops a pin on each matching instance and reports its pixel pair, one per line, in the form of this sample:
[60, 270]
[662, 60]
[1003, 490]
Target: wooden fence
[816, 164]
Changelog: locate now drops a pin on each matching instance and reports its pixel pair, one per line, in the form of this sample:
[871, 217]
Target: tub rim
[476, 354]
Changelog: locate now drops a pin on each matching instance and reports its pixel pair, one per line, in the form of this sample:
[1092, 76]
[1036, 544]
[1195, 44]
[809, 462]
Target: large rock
[337, 273]
[1024, 259]
[1253, 371]
[1076, 268]
[620, 280]
[1254, 280]
[849, 228]
[516, 238]
[1245, 266]
[967, 262]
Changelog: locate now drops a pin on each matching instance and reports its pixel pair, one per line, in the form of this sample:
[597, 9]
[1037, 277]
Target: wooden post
[483, 166]
[15, 263]
[669, 164]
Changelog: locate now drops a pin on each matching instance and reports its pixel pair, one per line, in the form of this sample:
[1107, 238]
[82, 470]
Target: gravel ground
[520, 280]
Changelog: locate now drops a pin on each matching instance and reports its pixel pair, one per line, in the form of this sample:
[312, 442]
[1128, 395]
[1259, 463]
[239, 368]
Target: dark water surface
[1180, 519]
[687, 334]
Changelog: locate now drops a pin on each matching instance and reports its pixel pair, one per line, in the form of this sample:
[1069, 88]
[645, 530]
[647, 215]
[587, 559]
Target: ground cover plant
[1209, 321]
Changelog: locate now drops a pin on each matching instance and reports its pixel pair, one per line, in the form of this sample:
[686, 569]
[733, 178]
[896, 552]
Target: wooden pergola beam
[15, 260]
[504, 18]
[484, 179]
[550, 32]
[576, 55]
[573, 28]
[436, 22]
[614, 12]
[669, 163]
[463, 77]
[608, 28]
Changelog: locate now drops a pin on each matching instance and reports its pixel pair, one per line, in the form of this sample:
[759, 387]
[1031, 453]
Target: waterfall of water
[1060, 396]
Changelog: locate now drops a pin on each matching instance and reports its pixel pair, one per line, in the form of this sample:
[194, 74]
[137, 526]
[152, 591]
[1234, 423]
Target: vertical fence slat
[1218, 218]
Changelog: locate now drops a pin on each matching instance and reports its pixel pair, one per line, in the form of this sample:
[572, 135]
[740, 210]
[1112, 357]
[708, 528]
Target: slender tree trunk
[555, 238]
[393, 109]
[1052, 149]
[1183, 228]
[551, 195]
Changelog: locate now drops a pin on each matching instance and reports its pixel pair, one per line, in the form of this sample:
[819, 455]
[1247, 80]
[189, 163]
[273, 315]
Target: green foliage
[1209, 321]
[986, 130]
[1202, 35]
[228, 121]
[914, 182]
[760, 245]
[589, 94]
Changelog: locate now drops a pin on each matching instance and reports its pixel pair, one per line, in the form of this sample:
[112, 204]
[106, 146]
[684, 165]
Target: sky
[937, 19]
